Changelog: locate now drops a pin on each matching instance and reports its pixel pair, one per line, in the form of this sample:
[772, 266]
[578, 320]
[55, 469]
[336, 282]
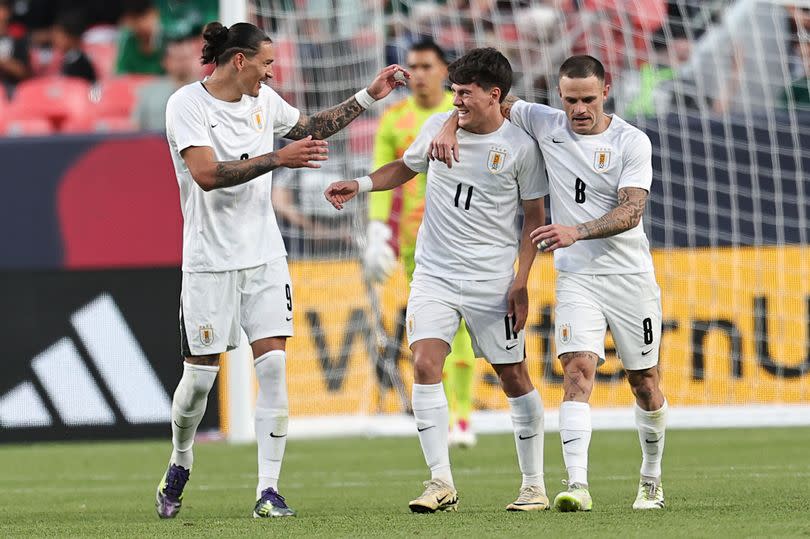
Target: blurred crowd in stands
[110, 65]
[717, 56]
[96, 65]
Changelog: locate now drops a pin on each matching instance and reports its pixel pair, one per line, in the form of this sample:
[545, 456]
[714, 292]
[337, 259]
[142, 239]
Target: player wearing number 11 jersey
[599, 170]
[465, 255]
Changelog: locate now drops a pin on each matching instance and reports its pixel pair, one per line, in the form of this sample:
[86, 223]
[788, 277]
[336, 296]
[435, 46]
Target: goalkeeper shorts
[436, 306]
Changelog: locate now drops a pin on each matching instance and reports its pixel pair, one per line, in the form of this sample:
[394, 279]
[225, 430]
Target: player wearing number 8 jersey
[221, 133]
[600, 172]
[465, 254]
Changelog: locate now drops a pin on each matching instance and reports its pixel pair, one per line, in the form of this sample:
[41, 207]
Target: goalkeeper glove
[378, 259]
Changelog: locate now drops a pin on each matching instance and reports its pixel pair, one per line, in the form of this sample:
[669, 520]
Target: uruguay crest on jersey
[601, 160]
[257, 119]
[496, 159]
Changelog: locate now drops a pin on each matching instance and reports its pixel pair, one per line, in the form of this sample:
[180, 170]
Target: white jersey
[469, 229]
[585, 173]
[234, 227]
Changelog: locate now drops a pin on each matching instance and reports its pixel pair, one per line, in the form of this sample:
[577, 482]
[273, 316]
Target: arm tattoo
[506, 106]
[623, 217]
[230, 173]
[326, 123]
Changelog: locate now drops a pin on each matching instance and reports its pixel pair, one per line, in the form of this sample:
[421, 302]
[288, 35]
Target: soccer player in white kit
[599, 171]
[465, 254]
[221, 133]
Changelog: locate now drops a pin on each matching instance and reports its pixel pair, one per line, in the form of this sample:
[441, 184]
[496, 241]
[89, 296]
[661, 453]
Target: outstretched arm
[384, 178]
[326, 123]
[444, 147]
[623, 217]
[212, 174]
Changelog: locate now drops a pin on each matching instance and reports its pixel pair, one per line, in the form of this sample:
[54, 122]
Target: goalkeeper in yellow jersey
[398, 128]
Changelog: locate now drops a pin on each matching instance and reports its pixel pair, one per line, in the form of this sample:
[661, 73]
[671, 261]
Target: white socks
[272, 416]
[651, 432]
[432, 416]
[527, 422]
[575, 435]
[188, 407]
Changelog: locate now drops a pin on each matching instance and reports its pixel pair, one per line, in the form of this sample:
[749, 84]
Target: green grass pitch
[719, 483]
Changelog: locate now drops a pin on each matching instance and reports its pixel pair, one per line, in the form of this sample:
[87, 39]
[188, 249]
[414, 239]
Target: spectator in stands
[670, 49]
[180, 18]
[797, 93]
[740, 64]
[67, 41]
[182, 66]
[140, 49]
[14, 62]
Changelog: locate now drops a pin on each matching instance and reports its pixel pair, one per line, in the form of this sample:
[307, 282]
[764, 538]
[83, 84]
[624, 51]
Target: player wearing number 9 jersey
[600, 171]
[465, 254]
[221, 133]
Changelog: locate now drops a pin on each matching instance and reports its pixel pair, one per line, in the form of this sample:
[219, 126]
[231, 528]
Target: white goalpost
[727, 218]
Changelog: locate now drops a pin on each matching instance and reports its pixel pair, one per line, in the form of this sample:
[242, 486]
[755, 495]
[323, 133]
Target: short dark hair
[486, 67]
[428, 44]
[582, 66]
[137, 7]
[72, 22]
[221, 42]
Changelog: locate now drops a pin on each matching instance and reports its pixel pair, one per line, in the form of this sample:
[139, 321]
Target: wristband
[365, 184]
[364, 98]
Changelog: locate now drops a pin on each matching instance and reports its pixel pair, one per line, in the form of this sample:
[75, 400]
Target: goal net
[721, 89]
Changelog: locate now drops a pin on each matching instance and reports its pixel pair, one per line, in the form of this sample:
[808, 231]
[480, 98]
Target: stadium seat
[114, 124]
[55, 99]
[103, 56]
[361, 136]
[117, 96]
[109, 124]
[82, 124]
[28, 127]
[3, 108]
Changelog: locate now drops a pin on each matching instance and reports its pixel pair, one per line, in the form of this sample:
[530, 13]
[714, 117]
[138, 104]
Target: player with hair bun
[221, 133]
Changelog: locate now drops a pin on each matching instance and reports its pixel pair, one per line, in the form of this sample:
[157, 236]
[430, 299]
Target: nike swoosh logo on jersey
[289, 318]
[277, 435]
[214, 125]
[510, 347]
[555, 141]
[521, 437]
[643, 353]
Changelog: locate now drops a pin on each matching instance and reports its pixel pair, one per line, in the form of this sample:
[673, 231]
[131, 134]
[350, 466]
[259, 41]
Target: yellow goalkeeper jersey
[398, 128]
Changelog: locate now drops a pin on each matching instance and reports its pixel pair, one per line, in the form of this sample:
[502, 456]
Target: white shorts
[213, 305]
[630, 304]
[436, 306]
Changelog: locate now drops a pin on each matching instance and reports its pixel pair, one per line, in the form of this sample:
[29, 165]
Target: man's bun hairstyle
[221, 42]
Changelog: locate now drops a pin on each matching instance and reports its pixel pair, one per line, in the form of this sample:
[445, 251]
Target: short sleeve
[637, 165]
[531, 176]
[284, 115]
[534, 119]
[186, 123]
[416, 156]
